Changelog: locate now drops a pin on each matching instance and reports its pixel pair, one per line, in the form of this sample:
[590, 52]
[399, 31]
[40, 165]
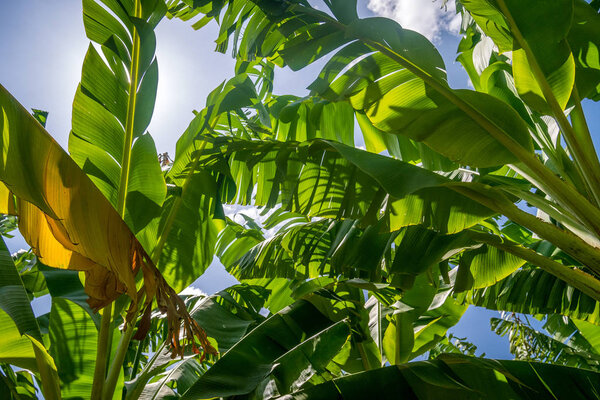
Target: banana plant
[397, 85]
[368, 256]
[496, 146]
[113, 169]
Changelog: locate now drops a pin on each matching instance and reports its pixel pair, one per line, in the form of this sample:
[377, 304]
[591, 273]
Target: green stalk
[117, 363]
[556, 213]
[526, 173]
[577, 141]
[398, 348]
[567, 241]
[379, 332]
[104, 387]
[575, 277]
[102, 353]
[363, 356]
[584, 136]
[131, 105]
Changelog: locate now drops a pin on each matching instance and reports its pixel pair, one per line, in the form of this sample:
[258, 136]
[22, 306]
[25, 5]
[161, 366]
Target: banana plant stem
[379, 332]
[117, 363]
[556, 213]
[102, 353]
[100, 387]
[138, 356]
[131, 108]
[363, 356]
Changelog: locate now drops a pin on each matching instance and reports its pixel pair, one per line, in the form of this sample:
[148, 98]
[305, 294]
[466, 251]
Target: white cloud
[428, 17]
[192, 291]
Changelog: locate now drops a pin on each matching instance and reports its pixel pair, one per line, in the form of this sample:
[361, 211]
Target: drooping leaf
[47, 370]
[54, 198]
[16, 316]
[432, 326]
[485, 266]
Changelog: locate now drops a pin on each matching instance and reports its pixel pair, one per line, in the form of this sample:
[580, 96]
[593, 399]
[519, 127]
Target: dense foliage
[361, 260]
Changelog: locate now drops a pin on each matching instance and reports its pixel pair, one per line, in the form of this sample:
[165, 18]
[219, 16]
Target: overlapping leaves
[327, 179]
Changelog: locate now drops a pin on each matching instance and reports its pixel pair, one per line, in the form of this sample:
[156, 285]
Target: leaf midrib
[134, 72]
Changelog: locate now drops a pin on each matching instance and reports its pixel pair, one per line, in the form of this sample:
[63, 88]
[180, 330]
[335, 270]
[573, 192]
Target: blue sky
[44, 44]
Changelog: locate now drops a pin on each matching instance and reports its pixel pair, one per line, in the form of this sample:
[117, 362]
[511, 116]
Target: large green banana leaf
[111, 111]
[460, 377]
[285, 348]
[396, 101]
[184, 235]
[73, 336]
[517, 26]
